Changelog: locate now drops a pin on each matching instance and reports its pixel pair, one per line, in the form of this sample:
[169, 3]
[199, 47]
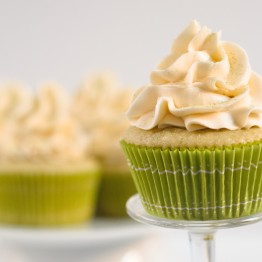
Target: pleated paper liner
[47, 199]
[198, 184]
[115, 189]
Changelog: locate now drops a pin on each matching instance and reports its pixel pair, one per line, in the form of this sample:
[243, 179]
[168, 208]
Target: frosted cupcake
[194, 148]
[99, 106]
[46, 176]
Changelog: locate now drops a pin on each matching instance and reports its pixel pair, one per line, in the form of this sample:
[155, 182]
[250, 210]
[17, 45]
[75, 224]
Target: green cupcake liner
[198, 184]
[115, 189]
[47, 199]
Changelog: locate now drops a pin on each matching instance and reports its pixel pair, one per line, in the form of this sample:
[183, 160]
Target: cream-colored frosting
[99, 106]
[203, 83]
[52, 130]
[15, 105]
[40, 127]
[50, 127]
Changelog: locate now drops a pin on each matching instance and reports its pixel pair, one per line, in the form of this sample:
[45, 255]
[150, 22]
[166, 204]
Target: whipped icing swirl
[40, 127]
[51, 131]
[203, 83]
[99, 107]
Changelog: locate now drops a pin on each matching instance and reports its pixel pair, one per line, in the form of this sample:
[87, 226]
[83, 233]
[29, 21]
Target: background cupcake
[99, 106]
[47, 176]
[195, 148]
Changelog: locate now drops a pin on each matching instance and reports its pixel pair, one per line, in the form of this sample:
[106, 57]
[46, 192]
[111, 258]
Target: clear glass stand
[201, 233]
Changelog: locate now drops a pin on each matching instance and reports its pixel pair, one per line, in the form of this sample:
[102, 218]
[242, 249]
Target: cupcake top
[99, 106]
[50, 129]
[39, 129]
[204, 83]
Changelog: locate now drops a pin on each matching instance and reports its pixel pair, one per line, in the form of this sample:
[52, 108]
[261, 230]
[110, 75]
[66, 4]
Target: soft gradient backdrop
[66, 40]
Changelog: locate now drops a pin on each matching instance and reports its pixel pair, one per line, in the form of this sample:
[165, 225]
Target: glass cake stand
[201, 233]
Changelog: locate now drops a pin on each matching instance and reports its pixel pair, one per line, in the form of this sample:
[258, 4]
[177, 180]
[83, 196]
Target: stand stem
[202, 245]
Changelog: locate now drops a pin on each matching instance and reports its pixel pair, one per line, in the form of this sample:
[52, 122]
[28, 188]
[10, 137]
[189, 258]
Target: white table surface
[122, 241]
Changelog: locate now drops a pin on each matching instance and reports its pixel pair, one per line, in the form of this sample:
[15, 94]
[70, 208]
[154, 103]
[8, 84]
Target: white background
[68, 39]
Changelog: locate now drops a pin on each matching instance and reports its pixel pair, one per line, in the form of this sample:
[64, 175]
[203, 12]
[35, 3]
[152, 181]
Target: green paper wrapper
[47, 199]
[198, 184]
[115, 189]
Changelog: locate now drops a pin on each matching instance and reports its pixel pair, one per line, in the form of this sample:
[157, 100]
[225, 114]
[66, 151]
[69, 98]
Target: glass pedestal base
[201, 233]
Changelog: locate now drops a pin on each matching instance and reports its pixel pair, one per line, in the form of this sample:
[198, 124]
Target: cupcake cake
[194, 145]
[47, 174]
[105, 101]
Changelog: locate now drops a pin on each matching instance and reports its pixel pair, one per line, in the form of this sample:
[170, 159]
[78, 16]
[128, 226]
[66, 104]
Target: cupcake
[47, 174]
[194, 145]
[99, 106]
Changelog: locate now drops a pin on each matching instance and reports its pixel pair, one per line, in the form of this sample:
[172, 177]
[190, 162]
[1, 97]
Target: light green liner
[198, 184]
[115, 189]
[47, 199]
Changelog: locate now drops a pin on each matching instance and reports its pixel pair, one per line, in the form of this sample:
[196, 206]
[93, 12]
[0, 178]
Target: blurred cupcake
[46, 174]
[99, 106]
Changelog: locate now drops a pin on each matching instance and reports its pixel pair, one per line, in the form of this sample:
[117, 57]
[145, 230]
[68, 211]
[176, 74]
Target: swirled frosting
[203, 83]
[99, 107]
[15, 105]
[40, 127]
[51, 130]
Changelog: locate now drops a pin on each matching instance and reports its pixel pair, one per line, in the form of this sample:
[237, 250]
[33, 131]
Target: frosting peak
[98, 106]
[203, 83]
